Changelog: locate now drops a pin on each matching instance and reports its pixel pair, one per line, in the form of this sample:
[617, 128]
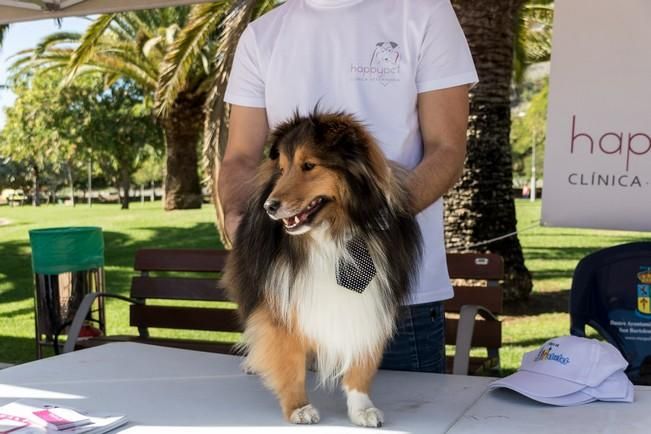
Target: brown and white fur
[325, 181]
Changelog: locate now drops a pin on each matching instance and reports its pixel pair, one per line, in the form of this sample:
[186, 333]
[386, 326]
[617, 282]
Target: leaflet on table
[49, 416]
[30, 416]
[9, 423]
[59, 418]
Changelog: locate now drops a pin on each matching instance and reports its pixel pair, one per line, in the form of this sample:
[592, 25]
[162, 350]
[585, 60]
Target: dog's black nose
[271, 206]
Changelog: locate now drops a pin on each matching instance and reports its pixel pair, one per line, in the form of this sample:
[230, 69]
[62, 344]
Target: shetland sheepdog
[326, 251]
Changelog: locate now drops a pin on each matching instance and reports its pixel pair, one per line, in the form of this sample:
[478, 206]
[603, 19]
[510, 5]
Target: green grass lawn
[551, 255]
[124, 232]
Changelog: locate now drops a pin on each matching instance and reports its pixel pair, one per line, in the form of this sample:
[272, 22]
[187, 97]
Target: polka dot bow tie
[356, 270]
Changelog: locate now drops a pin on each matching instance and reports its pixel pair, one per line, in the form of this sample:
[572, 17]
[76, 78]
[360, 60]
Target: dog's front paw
[371, 417]
[305, 415]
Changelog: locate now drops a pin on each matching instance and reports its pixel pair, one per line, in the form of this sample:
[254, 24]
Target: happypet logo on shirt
[548, 354]
[384, 66]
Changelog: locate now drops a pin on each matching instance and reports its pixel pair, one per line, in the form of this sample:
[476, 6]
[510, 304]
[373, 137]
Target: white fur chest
[345, 325]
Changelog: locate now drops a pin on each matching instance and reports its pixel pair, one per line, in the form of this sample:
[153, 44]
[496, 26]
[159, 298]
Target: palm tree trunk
[481, 206]
[182, 128]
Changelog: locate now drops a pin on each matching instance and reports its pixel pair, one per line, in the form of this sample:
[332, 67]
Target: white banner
[598, 150]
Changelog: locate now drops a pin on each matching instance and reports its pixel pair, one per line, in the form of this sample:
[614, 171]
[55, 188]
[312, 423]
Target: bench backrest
[487, 267]
[485, 270]
[204, 288]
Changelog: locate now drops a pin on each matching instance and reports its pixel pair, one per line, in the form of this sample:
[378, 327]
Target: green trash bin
[68, 263]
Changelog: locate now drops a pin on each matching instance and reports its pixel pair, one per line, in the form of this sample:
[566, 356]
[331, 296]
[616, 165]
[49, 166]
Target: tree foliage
[529, 117]
[152, 168]
[13, 174]
[31, 135]
[529, 130]
[176, 56]
[55, 130]
[129, 47]
[533, 36]
[122, 132]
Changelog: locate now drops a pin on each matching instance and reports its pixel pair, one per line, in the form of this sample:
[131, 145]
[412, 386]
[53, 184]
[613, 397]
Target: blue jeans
[419, 342]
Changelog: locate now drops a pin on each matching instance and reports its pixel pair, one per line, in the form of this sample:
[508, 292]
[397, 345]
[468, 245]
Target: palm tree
[183, 57]
[481, 207]
[235, 19]
[134, 45]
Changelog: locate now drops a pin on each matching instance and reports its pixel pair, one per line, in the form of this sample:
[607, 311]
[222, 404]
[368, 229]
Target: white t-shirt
[366, 57]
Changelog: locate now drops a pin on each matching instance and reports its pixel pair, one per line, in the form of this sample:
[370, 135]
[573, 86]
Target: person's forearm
[443, 118]
[235, 184]
[435, 175]
[246, 138]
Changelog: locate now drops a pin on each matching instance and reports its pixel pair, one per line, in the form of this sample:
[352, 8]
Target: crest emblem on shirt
[644, 293]
[384, 66]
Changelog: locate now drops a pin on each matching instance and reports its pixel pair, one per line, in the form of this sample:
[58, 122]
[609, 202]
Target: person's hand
[231, 222]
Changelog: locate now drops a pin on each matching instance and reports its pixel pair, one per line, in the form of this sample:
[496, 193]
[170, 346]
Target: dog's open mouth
[296, 221]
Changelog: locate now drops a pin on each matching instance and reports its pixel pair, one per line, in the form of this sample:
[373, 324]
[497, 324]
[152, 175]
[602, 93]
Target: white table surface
[165, 390]
[505, 412]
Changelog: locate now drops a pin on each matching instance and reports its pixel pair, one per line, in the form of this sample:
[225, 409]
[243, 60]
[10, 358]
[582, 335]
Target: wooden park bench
[477, 292]
[154, 284]
[150, 286]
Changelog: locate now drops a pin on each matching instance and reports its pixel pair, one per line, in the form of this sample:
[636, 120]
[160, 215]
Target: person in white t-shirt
[401, 67]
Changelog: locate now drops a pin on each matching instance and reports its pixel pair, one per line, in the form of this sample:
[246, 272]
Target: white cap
[616, 388]
[570, 370]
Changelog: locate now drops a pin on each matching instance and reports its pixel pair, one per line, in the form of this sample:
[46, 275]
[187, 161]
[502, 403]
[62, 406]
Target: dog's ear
[280, 132]
[364, 165]
[349, 143]
[393, 44]
[342, 134]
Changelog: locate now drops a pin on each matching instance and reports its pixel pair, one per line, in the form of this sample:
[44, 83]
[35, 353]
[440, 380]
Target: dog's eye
[307, 166]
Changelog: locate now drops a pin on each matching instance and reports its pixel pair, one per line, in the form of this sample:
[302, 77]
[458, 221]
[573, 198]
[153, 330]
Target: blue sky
[26, 35]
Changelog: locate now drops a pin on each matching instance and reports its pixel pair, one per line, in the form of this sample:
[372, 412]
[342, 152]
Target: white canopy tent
[28, 10]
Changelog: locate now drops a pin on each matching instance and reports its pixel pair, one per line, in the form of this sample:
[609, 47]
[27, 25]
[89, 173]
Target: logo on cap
[549, 354]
